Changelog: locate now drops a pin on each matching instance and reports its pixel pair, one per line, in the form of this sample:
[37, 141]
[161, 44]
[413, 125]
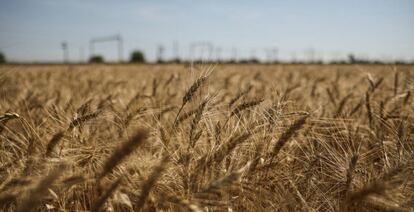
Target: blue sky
[379, 29]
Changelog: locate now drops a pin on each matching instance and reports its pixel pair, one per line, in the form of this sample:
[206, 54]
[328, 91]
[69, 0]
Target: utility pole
[210, 50]
[275, 53]
[201, 48]
[81, 55]
[91, 48]
[253, 53]
[65, 52]
[310, 54]
[269, 55]
[293, 57]
[176, 53]
[234, 54]
[218, 54]
[120, 48]
[160, 53]
[191, 52]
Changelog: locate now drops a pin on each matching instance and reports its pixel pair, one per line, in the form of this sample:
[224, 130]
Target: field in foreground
[228, 138]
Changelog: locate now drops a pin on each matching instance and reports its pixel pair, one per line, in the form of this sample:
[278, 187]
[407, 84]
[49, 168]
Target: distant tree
[176, 61]
[232, 61]
[249, 61]
[96, 59]
[401, 62]
[2, 58]
[137, 57]
[160, 61]
[352, 59]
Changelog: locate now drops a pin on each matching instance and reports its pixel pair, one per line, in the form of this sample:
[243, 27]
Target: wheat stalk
[368, 107]
[350, 173]
[239, 95]
[33, 198]
[8, 116]
[194, 123]
[240, 108]
[374, 188]
[396, 81]
[286, 135]
[53, 142]
[104, 197]
[189, 94]
[185, 203]
[342, 105]
[80, 120]
[149, 183]
[226, 180]
[123, 151]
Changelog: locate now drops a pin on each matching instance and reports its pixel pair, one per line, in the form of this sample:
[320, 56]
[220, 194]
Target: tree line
[138, 56]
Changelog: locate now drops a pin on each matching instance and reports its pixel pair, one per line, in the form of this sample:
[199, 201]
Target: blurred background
[243, 31]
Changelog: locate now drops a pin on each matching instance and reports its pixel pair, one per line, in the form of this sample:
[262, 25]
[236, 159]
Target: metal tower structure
[160, 53]
[201, 47]
[117, 38]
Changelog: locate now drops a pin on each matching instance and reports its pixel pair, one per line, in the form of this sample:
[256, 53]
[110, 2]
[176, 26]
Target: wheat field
[206, 138]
